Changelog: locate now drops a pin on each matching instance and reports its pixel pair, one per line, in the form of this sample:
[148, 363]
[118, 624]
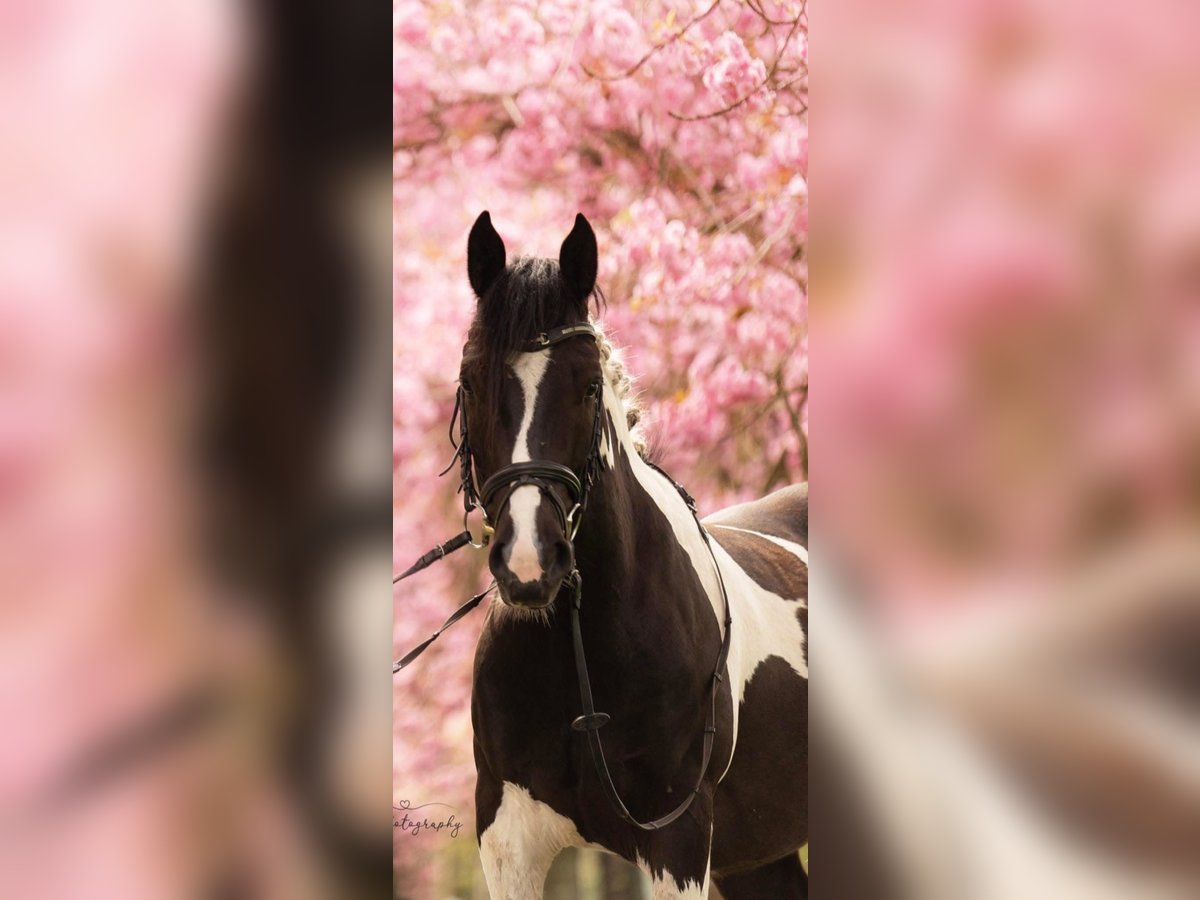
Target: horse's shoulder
[782, 514]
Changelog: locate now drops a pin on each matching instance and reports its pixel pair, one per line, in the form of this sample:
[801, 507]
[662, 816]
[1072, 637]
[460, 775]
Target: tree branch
[653, 50]
[767, 80]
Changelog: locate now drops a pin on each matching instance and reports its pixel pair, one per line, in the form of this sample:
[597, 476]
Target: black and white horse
[651, 612]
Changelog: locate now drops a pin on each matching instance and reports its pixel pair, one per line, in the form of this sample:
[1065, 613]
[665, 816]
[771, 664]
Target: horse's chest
[521, 705]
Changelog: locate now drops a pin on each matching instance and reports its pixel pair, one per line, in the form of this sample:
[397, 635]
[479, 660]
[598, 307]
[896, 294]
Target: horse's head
[532, 404]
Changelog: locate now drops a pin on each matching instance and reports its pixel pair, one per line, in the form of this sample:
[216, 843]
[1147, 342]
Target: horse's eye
[593, 390]
[466, 386]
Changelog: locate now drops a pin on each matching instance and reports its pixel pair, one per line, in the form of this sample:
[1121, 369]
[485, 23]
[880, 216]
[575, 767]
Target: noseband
[545, 475]
[541, 475]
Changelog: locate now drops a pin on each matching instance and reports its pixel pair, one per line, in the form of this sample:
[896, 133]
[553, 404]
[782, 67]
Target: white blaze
[523, 551]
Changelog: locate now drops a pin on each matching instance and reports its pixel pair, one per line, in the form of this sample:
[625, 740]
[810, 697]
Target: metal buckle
[485, 532]
[572, 522]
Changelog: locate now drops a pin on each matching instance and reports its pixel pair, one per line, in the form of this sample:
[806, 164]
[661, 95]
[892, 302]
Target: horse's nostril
[496, 557]
[563, 557]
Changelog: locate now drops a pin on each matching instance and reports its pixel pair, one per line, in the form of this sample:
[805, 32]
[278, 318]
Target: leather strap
[454, 617]
[532, 471]
[561, 333]
[539, 474]
[592, 721]
[455, 543]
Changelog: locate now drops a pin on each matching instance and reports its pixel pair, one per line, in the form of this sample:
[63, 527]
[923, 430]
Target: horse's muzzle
[538, 593]
[529, 594]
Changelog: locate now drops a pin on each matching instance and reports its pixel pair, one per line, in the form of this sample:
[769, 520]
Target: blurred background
[680, 131]
[1006, 323]
[194, 451]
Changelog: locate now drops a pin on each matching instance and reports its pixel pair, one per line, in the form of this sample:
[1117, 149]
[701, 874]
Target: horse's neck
[636, 522]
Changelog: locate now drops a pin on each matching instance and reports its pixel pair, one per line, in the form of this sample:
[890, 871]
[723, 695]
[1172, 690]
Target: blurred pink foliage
[102, 616]
[681, 132]
[1008, 293]
[1007, 307]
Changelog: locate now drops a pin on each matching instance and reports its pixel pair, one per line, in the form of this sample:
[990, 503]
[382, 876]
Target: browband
[559, 334]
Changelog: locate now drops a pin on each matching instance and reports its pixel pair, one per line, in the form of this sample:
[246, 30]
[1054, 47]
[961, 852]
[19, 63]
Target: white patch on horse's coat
[790, 546]
[611, 431]
[606, 454]
[521, 843]
[764, 625]
[522, 555]
[668, 888]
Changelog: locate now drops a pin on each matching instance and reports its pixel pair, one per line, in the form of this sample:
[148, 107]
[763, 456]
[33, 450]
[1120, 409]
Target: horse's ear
[577, 260]
[485, 255]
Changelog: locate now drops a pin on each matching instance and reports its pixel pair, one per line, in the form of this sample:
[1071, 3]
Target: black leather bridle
[545, 475]
[540, 473]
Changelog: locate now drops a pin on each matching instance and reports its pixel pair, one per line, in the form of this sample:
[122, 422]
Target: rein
[543, 475]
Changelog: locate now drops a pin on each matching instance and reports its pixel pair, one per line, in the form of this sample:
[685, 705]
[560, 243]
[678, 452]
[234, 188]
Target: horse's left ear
[577, 260]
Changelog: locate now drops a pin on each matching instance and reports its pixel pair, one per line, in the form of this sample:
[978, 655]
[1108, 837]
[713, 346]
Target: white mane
[622, 384]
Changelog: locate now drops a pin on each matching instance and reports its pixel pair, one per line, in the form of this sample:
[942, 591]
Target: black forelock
[525, 301]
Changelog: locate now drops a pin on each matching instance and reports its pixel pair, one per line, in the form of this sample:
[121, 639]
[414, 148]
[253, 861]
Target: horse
[615, 596]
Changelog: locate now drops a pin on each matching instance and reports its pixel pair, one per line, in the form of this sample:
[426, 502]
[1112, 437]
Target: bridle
[545, 475]
[542, 474]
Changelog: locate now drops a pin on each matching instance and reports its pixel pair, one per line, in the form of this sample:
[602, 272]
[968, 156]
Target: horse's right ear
[485, 255]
